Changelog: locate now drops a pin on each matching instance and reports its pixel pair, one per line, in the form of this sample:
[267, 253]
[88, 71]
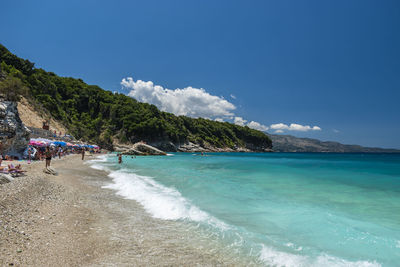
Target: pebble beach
[69, 220]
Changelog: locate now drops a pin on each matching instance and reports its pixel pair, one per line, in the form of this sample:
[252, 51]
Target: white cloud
[279, 126]
[239, 121]
[189, 101]
[294, 127]
[253, 124]
[336, 131]
[257, 126]
[197, 102]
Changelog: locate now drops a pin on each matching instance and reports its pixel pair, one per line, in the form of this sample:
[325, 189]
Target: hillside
[93, 114]
[288, 143]
[32, 116]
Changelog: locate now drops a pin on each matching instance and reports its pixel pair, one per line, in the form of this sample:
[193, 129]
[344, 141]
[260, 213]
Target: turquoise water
[282, 209]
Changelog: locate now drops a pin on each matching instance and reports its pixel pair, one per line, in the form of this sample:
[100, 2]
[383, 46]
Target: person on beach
[59, 152]
[83, 153]
[119, 158]
[40, 154]
[29, 155]
[48, 157]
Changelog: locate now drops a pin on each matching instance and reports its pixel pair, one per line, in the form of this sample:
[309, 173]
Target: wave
[160, 201]
[96, 163]
[277, 258]
[100, 158]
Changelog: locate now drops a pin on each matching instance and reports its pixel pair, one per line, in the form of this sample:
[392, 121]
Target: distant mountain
[289, 143]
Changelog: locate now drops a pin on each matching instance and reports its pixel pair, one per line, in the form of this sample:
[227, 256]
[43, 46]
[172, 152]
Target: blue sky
[331, 64]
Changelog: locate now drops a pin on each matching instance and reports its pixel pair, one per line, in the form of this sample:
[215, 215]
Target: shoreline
[69, 219]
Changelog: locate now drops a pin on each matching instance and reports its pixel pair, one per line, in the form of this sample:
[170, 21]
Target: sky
[320, 69]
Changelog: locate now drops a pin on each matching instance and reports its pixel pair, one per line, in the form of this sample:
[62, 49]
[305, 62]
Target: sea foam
[158, 200]
[273, 257]
[96, 163]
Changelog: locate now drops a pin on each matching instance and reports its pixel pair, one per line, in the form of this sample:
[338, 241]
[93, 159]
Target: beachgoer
[11, 167]
[59, 152]
[1, 159]
[48, 156]
[83, 153]
[29, 155]
[119, 158]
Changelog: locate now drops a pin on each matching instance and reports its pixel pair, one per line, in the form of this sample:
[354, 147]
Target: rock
[140, 149]
[147, 149]
[165, 145]
[14, 136]
[4, 178]
[191, 147]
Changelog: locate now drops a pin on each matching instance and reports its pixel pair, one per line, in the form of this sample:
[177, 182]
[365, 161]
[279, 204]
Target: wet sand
[69, 220]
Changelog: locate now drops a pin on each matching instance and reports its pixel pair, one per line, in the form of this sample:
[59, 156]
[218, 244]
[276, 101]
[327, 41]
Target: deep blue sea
[281, 209]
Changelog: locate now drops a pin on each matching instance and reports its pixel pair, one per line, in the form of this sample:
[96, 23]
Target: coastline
[69, 219]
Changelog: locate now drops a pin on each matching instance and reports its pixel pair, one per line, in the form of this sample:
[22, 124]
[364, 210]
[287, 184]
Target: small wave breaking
[158, 200]
[273, 257]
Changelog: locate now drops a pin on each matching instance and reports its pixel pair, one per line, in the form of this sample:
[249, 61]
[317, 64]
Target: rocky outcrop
[140, 149]
[14, 136]
[192, 147]
[147, 149]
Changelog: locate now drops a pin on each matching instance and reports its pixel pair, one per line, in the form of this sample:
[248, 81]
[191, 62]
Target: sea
[272, 209]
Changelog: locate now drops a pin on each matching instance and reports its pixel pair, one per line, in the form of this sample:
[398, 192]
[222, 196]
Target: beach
[69, 220]
[152, 211]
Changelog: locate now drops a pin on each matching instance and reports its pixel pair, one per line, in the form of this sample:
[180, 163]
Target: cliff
[14, 136]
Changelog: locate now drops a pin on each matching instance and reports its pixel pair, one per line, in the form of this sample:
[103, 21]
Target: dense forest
[97, 115]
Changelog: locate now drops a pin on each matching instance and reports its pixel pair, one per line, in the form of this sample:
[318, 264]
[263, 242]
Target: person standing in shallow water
[119, 158]
[83, 153]
[48, 155]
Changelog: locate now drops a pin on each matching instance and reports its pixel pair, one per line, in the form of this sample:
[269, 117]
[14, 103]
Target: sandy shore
[69, 220]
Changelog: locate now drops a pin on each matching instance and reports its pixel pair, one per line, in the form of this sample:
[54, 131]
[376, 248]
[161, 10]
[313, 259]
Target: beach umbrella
[59, 143]
[44, 140]
[38, 143]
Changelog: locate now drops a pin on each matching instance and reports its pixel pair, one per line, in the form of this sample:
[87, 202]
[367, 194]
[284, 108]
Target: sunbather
[15, 169]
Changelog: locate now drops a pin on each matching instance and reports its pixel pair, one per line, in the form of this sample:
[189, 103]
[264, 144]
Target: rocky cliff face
[14, 136]
[193, 147]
